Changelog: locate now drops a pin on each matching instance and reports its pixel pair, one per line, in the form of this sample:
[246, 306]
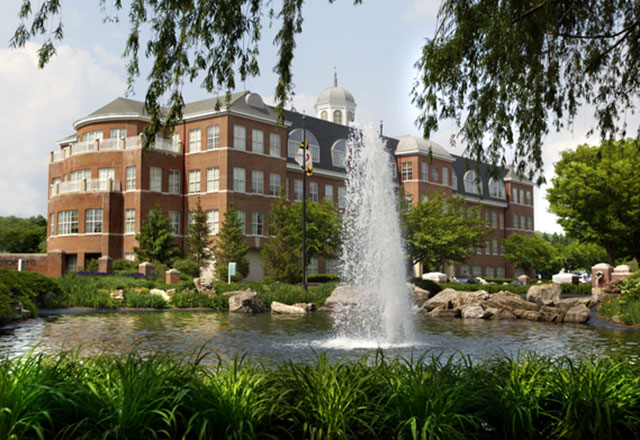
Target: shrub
[187, 266]
[322, 278]
[187, 299]
[144, 300]
[20, 287]
[490, 288]
[429, 285]
[123, 265]
[576, 289]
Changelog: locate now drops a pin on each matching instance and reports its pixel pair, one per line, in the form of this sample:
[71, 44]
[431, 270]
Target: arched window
[454, 180]
[351, 118]
[496, 188]
[324, 115]
[295, 139]
[337, 116]
[471, 183]
[339, 153]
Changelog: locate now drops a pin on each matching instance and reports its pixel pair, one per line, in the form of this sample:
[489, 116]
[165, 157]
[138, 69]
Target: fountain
[373, 262]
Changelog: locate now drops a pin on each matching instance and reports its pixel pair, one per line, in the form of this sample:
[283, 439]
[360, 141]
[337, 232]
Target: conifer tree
[198, 241]
[156, 239]
[231, 246]
[281, 254]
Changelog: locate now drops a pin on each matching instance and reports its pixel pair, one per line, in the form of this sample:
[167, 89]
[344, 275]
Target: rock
[482, 281]
[20, 310]
[546, 294]
[117, 295]
[160, 293]
[551, 314]
[579, 313]
[278, 308]
[343, 296]
[509, 301]
[310, 307]
[495, 313]
[205, 286]
[567, 303]
[246, 301]
[474, 312]
[616, 319]
[531, 315]
[612, 287]
[171, 292]
[443, 312]
[418, 294]
[459, 299]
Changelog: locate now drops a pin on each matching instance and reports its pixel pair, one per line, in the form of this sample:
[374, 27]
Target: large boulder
[551, 314]
[458, 299]
[246, 301]
[474, 312]
[343, 296]
[509, 301]
[117, 294]
[205, 286]
[545, 294]
[278, 308]
[567, 303]
[443, 311]
[161, 293]
[418, 294]
[579, 313]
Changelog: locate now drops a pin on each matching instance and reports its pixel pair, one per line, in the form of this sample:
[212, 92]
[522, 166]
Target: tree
[513, 69]
[529, 253]
[584, 255]
[231, 246]
[198, 241]
[23, 235]
[282, 255]
[596, 195]
[442, 230]
[156, 240]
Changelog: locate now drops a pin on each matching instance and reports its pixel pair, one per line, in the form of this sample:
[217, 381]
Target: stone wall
[50, 264]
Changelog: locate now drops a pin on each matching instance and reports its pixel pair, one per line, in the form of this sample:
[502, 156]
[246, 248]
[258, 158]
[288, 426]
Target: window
[495, 246]
[174, 182]
[256, 223]
[487, 247]
[241, 219]
[514, 195]
[118, 133]
[501, 248]
[130, 178]
[129, 221]
[213, 221]
[496, 188]
[274, 145]
[486, 217]
[477, 271]
[239, 137]
[213, 137]
[313, 191]
[454, 180]
[295, 139]
[76, 176]
[93, 135]
[489, 271]
[313, 265]
[130, 256]
[175, 140]
[286, 188]
[332, 266]
[239, 180]
[174, 221]
[342, 197]
[328, 193]
[105, 174]
[522, 197]
[191, 219]
[424, 171]
[194, 140]
[471, 183]
[297, 190]
[529, 198]
[339, 153]
[523, 225]
[529, 222]
[464, 270]
[257, 182]
[274, 184]
[93, 221]
[337, 116]
[155, 182]
[52, 225]
[324, 115]
[407, 171]
[501, 218]
[500, 272]
[68, 222]
[213, 179]
[445, 176]
[435, 176]
[257, 141]
[494, 220]
[515, 221]
[194, 181]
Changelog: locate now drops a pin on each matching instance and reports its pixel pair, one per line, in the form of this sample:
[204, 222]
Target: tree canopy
[529, 253]
[18, 235]
[596, 196]
[231, 246]
[199, 240]
[442, 230]
[507, 71]
[155, 239]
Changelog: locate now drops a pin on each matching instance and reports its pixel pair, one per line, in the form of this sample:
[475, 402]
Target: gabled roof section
[242, 103]
[119, 108]
[513, 176]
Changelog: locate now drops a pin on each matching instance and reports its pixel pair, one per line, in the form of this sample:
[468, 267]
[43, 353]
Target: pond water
[277, 338]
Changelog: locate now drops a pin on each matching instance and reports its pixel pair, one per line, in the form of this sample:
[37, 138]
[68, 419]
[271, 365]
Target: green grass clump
[144, 300]
[188, 299]
[65, 396]
[26, 288]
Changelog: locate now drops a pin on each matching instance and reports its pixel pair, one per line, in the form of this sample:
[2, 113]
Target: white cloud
[37, 108]
[421, 10]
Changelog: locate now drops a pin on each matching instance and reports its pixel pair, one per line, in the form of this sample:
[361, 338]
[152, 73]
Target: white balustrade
[86, 185]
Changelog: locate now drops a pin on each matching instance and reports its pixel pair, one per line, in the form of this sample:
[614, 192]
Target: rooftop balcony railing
[114, 144]
[85, 186]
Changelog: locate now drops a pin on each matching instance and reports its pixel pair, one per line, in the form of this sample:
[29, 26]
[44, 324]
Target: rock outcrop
[278, 308]
[245, 301]
[545, 294]
[161, 293]
[205, 286]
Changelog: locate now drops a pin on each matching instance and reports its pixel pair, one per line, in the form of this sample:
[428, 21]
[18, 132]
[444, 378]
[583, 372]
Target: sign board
[231, 272]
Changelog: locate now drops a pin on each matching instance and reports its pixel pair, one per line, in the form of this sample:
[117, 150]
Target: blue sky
[373, 46]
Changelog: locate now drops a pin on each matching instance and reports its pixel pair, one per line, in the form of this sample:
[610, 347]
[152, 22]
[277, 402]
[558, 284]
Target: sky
[373, 47]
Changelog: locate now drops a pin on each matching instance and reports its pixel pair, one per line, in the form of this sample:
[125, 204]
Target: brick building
[102, 183]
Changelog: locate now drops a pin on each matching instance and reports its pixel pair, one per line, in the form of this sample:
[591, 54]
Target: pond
[277, 338]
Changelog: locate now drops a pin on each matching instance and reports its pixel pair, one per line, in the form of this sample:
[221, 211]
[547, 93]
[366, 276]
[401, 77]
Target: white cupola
[336, 104]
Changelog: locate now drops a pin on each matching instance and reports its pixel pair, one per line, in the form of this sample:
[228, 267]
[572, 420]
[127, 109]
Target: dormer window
[497, 189]
[295, 139]
[339, 153]
[471, 183]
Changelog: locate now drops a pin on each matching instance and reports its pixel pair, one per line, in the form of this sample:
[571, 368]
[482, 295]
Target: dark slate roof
[461, 165]
[120, 106]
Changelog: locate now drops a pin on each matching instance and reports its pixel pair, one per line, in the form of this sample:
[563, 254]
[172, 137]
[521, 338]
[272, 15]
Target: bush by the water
[627, 307]
[26, 288]
[130, 396]
[429, 285]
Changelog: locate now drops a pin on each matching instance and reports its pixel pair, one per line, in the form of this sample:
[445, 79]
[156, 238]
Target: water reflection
[300, 338]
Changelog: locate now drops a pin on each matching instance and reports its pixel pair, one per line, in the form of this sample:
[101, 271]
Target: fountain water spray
[373, 262]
